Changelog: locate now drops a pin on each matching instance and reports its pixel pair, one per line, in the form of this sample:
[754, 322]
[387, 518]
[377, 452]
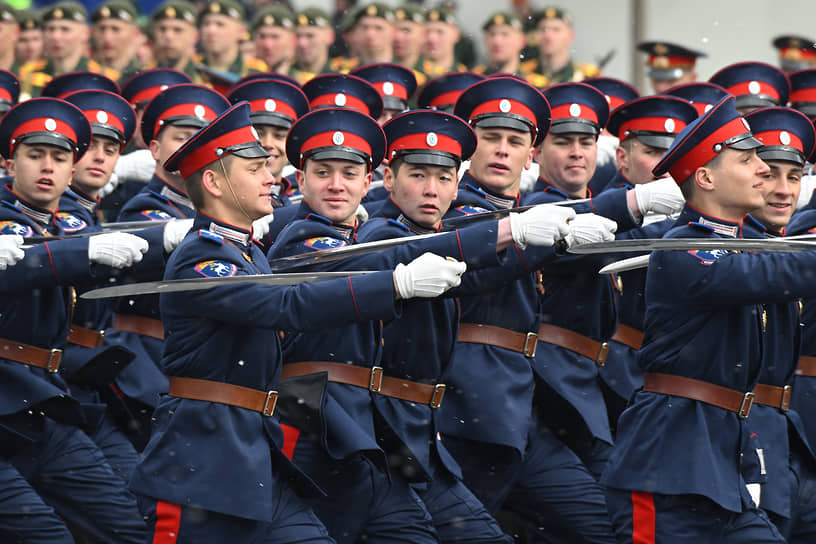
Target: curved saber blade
[624, 265]
[465, 220]
[328, 255]
[122, 226]
[197, 284]
[659, 244]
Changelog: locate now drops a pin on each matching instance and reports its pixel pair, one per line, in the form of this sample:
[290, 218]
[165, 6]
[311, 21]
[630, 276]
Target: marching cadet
[222, 370]
[396, 85]
[221, 23]
[754, 84]
[175, 35]
[441, 36]
[646, 127]
[40, 140]
[273, 31]
[504, 41]
[313, 38]
[9, 34]
[795, 53]
[669, 64]
[802, 96]
[335, 150]
[788, 139]
[29, 44]
[554, 36]
[171, 118]
[409, 35]
[701, 94]
[702, 351]
[441, 92]
[65, 41]
[114, 36]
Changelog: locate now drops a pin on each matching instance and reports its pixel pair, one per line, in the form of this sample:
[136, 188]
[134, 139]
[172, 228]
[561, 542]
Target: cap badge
[661, 63]
[551, 13]
[753, 87]
[50, 125]
[708, 107]
[340, 99]
[215, 7]
[608, 99]
[58, 14]
[669, 125]
[785, 138]
[270, 105]
[105, 12]
[199, 110]
[388, 88]
[504, 105]
[660, 49]
[302, 20]
[499, 19]
[338, 138]
[102, 116]
[431, 139]
[434, 15]
[163, 87]
[371, 10]
[170, 12]
[575, 110]
[400, 15]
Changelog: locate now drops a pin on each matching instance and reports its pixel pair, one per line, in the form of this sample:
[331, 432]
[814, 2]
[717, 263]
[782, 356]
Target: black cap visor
[755, 101]
[430, 157]
[574, 124]
[744, 142]
[337, 153]
[659, 140]
[271, 118]
[47, 138]
[665, 74]
[505, 120]
[108, 131]
[249, 150]
[781, 153]
[394, 103]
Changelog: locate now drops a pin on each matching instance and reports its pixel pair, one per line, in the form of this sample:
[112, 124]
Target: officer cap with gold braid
[576, 107]
[654, 120]
[45, 121]
[429, 137]
[718, 129]
[502, 18]
[701, 94]
[271, 102]
[336, 134]
[442, 92]
[229, 8]
[109, 114]
[142, 87]
[230, 133]
[803, 91]
[343, 90]
[312, 17]
[69, 82]
[795, 52]
[9, 90]
[175, 9]
[506, 102]
[754, 84]
[65, 11]
[395, 83]
[617, 92]
[276, 16]
[786, 134]
[668, 61]
[409, 12]
[115, 9]
[185, 105]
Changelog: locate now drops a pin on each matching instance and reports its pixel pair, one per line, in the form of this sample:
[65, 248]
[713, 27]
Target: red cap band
[754, 87]
[340, 100]
[423, 140]
[336, 138]
[652, 124]
[206, 154]
[147, 94]
[574, 111]
[394, 89]
[803, 95]
[664, 62]
[780, 137]
[101, 116]
[42, 124]
[505, 106]
[704, 151]
[269, 105]
[446, 99]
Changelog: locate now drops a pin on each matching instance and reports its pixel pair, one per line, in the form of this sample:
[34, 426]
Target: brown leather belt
[372, 379]
[772, 395]
[139, 325]
[519, 342]
[87, 338]
[628, 336]
[806, 366]
[577, 343]
[716, 395]
[18, 352]
[224, 393]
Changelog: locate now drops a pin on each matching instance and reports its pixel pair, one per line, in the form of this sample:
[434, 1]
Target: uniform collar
[165, 190]
[349, 232]
[716, 224]
[497, 199]
[90, 204]
[390, 209]
[230, 232]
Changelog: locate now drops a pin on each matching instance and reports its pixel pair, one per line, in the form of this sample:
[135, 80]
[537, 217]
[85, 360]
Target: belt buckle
[375, 379]
[745, 405]
[786, 396]
[270, 403]
[438, 395]
[100, 338]
[600, 360]
[54, 360]
[531, 340]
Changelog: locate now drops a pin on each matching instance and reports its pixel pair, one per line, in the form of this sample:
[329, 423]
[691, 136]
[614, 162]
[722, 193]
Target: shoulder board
[159, 196]
[700, 226]
[589, 70]
[336, 63]
[529, 65]
[40, 79]
[474, 189]
[302, 77]
[537, 80]
[197, 59]
[420, 77]
[395, 223]
[319, 218]
[754, 223]
[211, 236]
[255, 64]
[13, 227]
[480, 69]
[461, 67]
[69, 222]
[33, 66]
[216, 269]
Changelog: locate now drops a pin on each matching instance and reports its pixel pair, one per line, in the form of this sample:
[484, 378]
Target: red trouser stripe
[290, 438]
[643, 518]
[168, 520]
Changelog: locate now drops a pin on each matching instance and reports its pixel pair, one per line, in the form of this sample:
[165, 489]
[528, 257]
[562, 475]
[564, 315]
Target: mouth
[780, 206]
[429, 208]
[45, 184]
[498, 167]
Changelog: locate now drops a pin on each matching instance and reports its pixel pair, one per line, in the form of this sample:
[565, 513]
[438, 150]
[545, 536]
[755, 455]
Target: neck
[66, 64]
[444, 60]
[117, 63]
[555, 61]
[173, 180]
[222, 60]
[87, 190]
[509, 67]
[575, 191]
[409, 61]
[718, 210]
[382, 56]
[315, 66]
[219, 211]
[7, 58]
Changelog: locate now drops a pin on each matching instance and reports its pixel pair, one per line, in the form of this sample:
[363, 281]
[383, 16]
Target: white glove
[755, 490]
[806, 188]
[588, 228]
[541, 225]
[136, 166]
[260, 227]
[174, 232]
[427, 276]
[529, 176]
[607, 146]
[116, 249]
[10, 250]
[361, 213]
[659, 196]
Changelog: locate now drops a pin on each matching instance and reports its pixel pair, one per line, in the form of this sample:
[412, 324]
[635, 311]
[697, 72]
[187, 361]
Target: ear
[330, 36]
[621, 157]
[300, 177]
[530, 155]
[366, 183]
[703, 178]
[211, 183]
[388, 179]
[11, 167]
[154, 149]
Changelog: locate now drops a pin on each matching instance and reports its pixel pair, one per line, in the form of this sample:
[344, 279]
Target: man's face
[408, 37]
[29, 46]
[334, 188]
[503, 43]
[662, 85]
[423, 192]
[173, 39]
[781, 191]
[64, 38]
[737, 181]
[220, 32]
[312, 43]
[9, 33]
[41, 173]
[274, 44]
[95, 167]
[169, 140]
[273, 140]
[440, 38]
[252, 185]
[636, 161]
[567, 161]
[113, 38]
[501, 155]
[554, 36]
[376, 35]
